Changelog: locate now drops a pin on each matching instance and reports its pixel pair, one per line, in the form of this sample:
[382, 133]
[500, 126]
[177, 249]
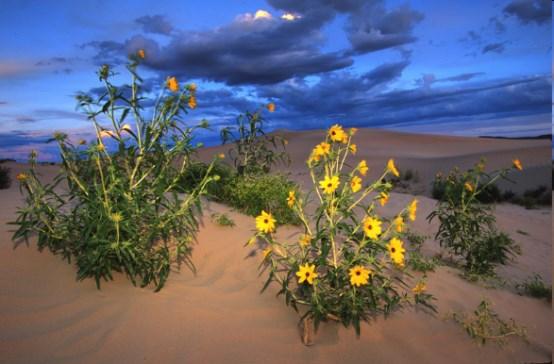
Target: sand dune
[219, 316]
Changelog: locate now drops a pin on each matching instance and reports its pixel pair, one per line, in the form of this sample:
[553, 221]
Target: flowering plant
[348, 263]
[120, 211]
[254, 151]
[467, 226]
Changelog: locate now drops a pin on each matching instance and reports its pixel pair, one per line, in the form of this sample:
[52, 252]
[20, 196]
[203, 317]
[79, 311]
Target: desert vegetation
[119, 209]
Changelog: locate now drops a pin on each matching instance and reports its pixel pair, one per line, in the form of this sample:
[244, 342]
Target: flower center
[266, 221]
[329, 184]
[392, 249]
[358, 273]
[369, 227]
[307, 274]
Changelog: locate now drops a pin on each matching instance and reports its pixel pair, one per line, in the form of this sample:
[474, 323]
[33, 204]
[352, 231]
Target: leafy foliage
[222, 219]
[485, 325]
[468, 227]
[343, 267]
[120, 211]
[254, 151]
[535, 287]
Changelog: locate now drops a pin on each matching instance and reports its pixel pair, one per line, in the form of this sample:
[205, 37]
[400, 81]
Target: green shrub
[222, 219]
[121, 211]
[467, 226]
[254, 151]
[194, 175]
[5, 180]
[535, 287]
[252, 193]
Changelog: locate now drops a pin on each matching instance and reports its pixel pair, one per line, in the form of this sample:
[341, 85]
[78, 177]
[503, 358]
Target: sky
[473, 67]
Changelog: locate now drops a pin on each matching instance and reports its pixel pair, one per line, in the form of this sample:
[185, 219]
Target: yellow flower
[291, 199]
[353, 148]
[116, 217]
[191, 87]
[356, 184]
[101, 147]
[412, 209]
[271, 107]
[322, 149]
[399, 224]
[266, 252]
[192, 102]
[21, 177]
[353, 131]
[396, 251]
[384, 198]
[372, 227]
[172, 84]
[336, 133]
[306, 273]
[305, 240]
[359, 275]
[468, 186]
[127, 128]
[392, 168]
[419, 288]
[82, 142]
[252, 240]
[141, 53]
[329, 184]
[517, 164]
[265, 223]
[363, 168]
[221, 156]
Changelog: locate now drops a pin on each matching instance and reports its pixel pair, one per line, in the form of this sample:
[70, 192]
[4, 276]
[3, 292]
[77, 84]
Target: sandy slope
[218, 316]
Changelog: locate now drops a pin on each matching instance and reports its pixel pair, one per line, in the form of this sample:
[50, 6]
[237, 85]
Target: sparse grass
[5, 180]
[222, 219]
[419, 263]
[486, 325]
[535, 286]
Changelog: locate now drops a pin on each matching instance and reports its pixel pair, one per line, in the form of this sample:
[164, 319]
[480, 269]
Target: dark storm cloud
[493, 48]
[530, 11]
[356, 103]
[156, 24]
[370, 26]
[248, 51]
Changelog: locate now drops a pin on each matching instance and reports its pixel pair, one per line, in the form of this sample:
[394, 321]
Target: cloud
[354, 101]
[53, 61]
[530, 11]
[25, 119]
[429, 79]
[493, 48]
[370, 26]
[156, 24]
[248, 51]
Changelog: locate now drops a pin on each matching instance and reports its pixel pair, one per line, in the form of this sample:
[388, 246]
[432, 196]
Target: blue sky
[462, 68]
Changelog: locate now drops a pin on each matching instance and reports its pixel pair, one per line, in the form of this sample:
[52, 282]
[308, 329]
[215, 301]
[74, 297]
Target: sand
[219, 316]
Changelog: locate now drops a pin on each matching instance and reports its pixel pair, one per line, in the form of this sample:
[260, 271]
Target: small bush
[5, 180]
[419, 263]
[121, 211]
[216, 190]
[254, 151]
[222, 220]
[252, 193]
[467, 226]
[485, 325]
[535, 287]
